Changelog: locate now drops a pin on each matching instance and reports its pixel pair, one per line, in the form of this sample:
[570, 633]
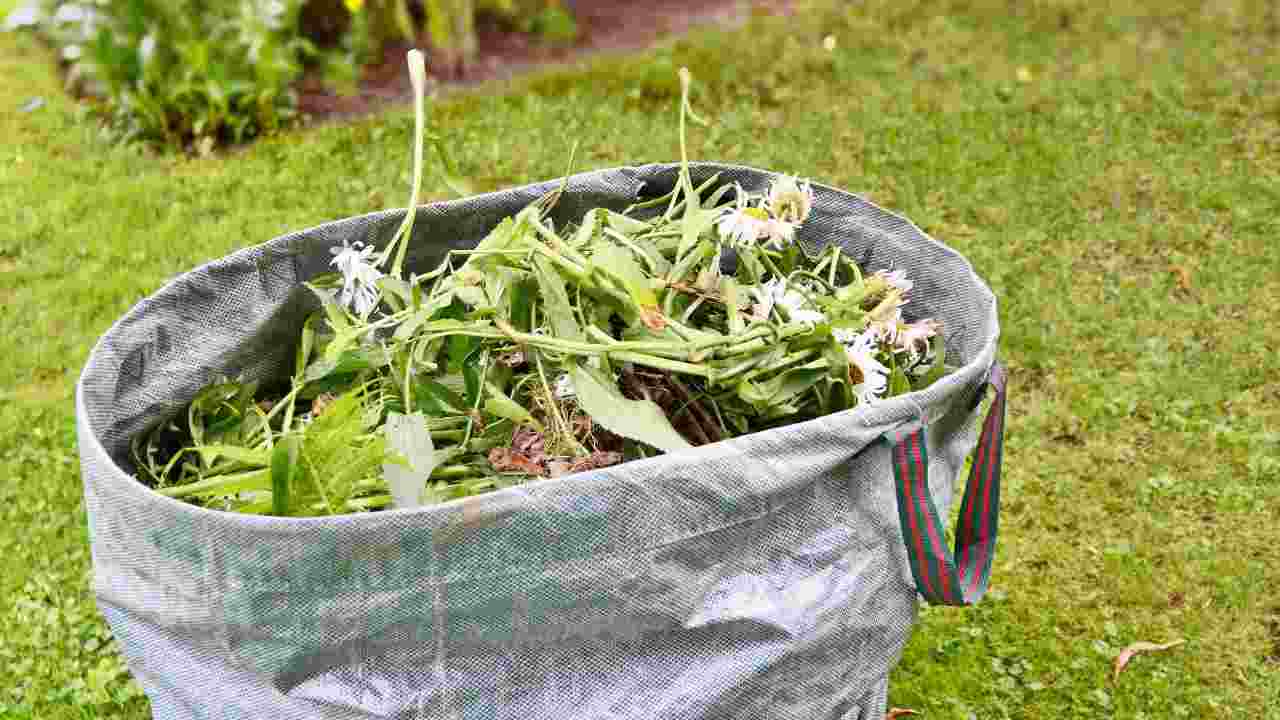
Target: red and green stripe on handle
[959, 578]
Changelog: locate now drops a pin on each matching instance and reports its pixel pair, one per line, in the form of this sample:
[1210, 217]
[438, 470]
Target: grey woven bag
[769, 576]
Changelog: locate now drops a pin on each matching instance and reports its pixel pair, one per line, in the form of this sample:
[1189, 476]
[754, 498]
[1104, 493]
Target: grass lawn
[1115, 175]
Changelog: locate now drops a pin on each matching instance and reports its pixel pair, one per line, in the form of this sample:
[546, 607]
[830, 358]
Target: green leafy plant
[183, 72]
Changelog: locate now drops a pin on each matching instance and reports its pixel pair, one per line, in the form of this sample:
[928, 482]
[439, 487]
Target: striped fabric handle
[959, 579]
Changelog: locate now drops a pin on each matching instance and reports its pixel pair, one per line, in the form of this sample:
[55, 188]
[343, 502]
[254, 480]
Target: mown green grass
[1113, 172]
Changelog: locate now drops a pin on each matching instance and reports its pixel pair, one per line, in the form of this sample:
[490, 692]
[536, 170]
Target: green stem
[212, 485]
[795, 358]
[685, 368]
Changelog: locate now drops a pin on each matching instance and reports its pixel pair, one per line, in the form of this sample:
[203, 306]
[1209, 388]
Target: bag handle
[962, 578]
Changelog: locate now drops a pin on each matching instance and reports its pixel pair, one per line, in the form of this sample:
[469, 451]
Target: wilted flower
[790, 200]
[359, 277]
[780, 233]
[897, 279]
[744, 226]
[886, 323]
[776, 294]
[914, 338]
[870, 377]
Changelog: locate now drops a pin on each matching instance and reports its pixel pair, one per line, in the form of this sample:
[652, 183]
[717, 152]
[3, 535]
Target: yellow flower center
[755, 212]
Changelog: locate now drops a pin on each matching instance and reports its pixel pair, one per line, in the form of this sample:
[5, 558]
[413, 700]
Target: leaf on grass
[899, 712]
[408, 436]
[639, 420]
[1128, 653]
[284, 466]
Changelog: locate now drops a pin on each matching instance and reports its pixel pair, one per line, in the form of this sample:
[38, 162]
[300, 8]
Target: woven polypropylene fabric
[759, 577]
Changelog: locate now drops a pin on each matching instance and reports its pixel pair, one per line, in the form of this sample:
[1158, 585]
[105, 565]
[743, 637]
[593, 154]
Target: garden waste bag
[773, 575]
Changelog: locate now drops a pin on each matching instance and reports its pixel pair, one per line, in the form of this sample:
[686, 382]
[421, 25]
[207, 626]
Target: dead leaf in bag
[1137, 648]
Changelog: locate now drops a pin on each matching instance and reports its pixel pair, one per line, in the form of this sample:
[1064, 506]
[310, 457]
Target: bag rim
[911, 407]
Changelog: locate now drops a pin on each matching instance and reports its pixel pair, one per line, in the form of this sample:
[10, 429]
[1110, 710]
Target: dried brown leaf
[899, 712]
[595, 461]
[1183, 277]
[505, 460]
[1139, 647]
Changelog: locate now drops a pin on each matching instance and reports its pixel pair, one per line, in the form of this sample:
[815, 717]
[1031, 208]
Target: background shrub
[196, 74]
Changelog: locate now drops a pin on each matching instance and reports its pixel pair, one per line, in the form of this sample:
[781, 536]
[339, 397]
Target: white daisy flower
[870, 377]
[776, 294]
[790, 200]
[359, 277]
[744, 226]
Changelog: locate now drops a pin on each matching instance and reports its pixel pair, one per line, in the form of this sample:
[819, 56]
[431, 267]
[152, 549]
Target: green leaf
[284, 465]
[938, 368]
[621, 264]
[624, 224]
[640, 420]
[504, 407]
[586, 232]
[436, 399]
[522, 297]
[409, 437]
[898, 382]
[471, 375]
[838, 370]
[305, 346]
[555, 300]
[249, 456]
[696, 222]
[348, 363]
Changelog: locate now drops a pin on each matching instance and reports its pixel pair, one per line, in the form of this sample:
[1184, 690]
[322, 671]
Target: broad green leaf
[622, 265]
[586, 232]
[284, 466]
[938, 368]
[555, 300]
[305, 346]
[640, 420]
[349, 362]
[336, 315]
[522, 298]
[436, 399]
[504, 407]
[395, 289]
[696, 222]
[409, 438]
[898, 383]
[838, 369]
[471, 375]
[624, 224]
